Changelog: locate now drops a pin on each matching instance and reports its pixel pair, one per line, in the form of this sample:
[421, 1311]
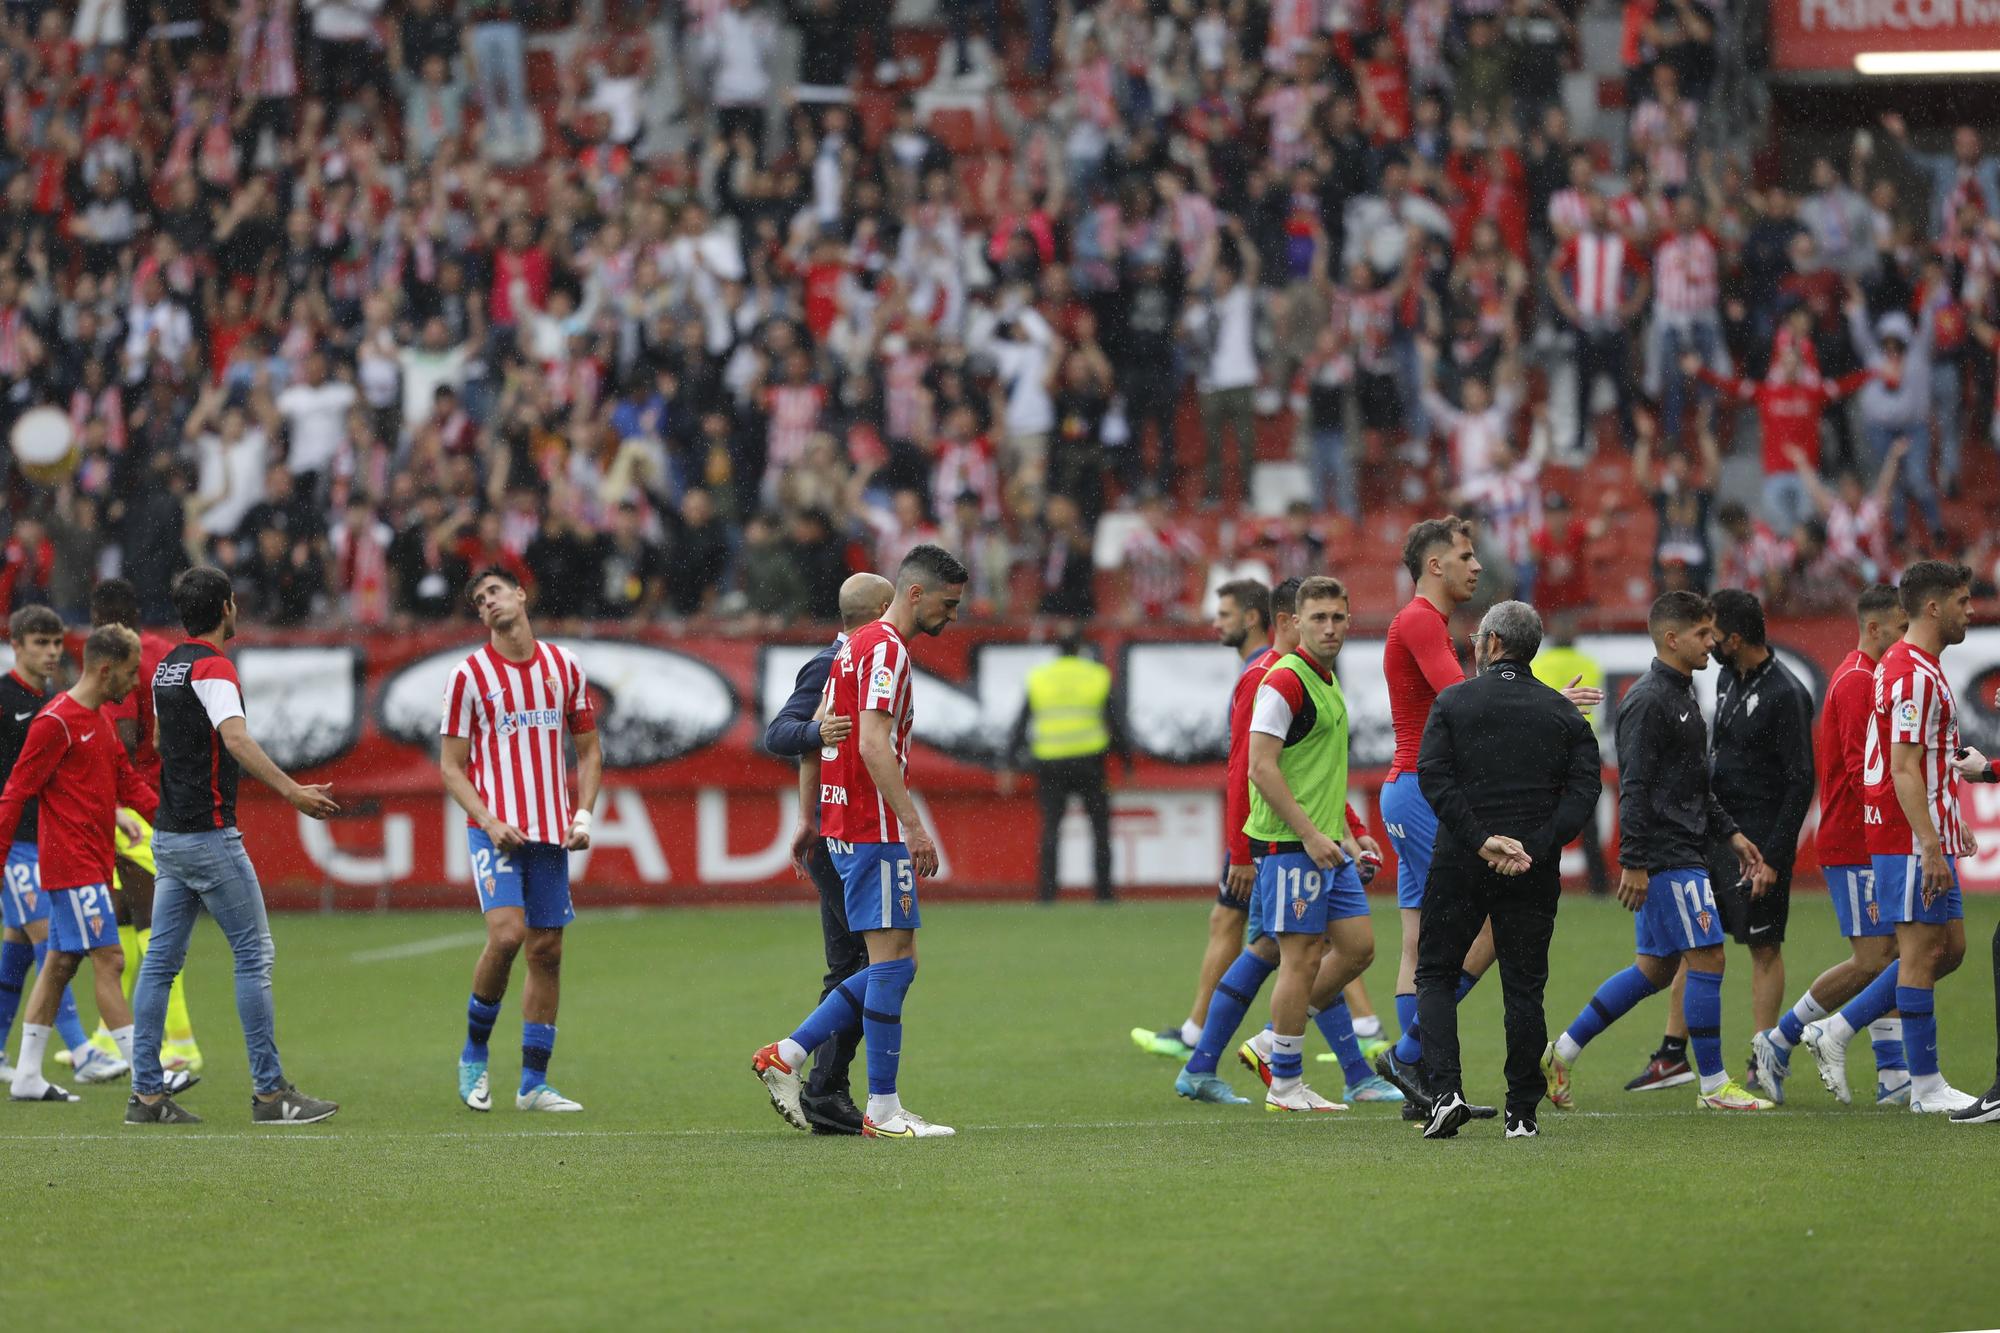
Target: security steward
[1067, 727]
[827, 1101]
[1513, 771]
[1558, 663]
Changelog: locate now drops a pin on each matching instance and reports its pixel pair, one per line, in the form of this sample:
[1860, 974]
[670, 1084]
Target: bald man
[792, 734]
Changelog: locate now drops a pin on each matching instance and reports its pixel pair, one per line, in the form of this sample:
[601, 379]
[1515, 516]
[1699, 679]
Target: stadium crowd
[343, 298]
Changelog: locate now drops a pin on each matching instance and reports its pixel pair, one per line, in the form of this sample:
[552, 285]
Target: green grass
[1080, 1192]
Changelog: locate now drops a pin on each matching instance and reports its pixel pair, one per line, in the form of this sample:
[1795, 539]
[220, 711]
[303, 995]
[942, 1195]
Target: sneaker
[162, 1112]
[905, 1125]
[1983, 1110]
[1300, 1098]
[544, 1097]
[1254, 1060]
[473, 1088]
[1946, 1100]
[782, 1082]
[290, 1107]
[1205, 1088]
[1167, 1041]
[1447, 1114]
[1773, 1064]
[97, 1067]
[49, 1093]
[1374, 1088]
[1521, 1126]
[832, 1112]
[1662, 1072]
[102, 1040]
[181, 1055]
[1556, 1070]
[1896, 1094]
[1830, 1057]
[1733, 1096]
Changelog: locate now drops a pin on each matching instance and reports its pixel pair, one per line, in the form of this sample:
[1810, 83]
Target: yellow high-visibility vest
[1066, 700]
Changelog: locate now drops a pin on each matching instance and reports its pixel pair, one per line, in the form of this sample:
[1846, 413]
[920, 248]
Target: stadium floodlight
[1901, 64]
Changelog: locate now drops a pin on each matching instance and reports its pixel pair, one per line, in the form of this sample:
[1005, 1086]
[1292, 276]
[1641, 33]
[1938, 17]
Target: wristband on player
[580, 821]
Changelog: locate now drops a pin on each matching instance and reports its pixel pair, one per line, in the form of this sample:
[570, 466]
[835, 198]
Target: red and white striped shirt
[1157, 562]
[1569, 211]
[967, 466]
[1293, 23]
[871, 674]
[902, 392]
[1663, 134]
[1194, 225]
[794, 410]
[1094, 102]
[1601, 264]
[1684, 269]
[514, 714]
[1913, 706]
[267, 63]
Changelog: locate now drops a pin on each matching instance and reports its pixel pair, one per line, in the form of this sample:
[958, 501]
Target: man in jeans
[499, 58]
[204, 747]
[1223, 331]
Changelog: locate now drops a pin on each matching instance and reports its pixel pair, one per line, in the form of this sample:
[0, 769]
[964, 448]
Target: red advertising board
[1828, 34]
[693, 810]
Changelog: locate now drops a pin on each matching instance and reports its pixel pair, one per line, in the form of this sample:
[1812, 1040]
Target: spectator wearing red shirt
[521, 260]
[1562, 556]
[1789, 402]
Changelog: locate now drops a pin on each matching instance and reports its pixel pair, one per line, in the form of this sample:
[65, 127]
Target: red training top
[137, 707]
[75, 763]
[1840, 746]
[1418, 665]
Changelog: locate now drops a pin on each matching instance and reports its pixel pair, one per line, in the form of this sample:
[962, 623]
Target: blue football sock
[480, 1015]
[1614, 999]
[1791, 1027]
[1877, 1000]
[1287, 1058]
[16, 957]
[1337, 1026]
[1466, 981]
[1886, 1036]
[1233, 994]
[1703, 1007]
[838, 1013]
[538, 1043]
[1409, 1046]
[882, 1021]
[1919, 1029]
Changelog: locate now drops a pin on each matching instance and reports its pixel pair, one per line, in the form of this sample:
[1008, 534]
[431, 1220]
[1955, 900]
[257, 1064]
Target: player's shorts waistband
[1275, 848]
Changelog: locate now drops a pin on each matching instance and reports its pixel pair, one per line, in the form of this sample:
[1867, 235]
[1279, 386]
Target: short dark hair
[1426, 537]
[1874, 600]
[501, 572]
[1930, 578]
[932, 566]
[1285, 598]
[1250, 595]
[110, 643]
[202, 596]
[114, 602]
[1677, 610]
[1738, 612]
[32, 620]
[1320, 587]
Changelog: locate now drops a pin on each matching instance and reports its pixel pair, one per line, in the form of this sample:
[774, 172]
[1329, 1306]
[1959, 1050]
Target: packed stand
[682, 316]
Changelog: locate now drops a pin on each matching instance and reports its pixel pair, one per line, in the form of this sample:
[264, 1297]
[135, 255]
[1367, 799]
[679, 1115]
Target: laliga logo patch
[883, 681]
[1906, 713]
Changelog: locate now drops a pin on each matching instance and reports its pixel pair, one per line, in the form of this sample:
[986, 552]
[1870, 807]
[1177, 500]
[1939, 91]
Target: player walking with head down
[878, 843]
[506, 709]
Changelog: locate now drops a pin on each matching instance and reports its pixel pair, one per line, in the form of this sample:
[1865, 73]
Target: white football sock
[1838, 1029]
[1710, 1082]
[1190, 1034]
[1368, 1028]
[1807, 1011]
[1921, 1085]
[1292, 1046]
[883, 1108]
[123, 1036]
[1566, 1049]
[792, 1053]
[28, 1078]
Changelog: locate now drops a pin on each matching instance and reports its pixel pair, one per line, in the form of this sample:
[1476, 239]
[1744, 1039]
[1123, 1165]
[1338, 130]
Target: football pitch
[1080, 1192]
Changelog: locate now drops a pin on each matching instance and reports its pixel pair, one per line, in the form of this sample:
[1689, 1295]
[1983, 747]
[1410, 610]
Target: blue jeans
[206, 870]
[1945, 393]
[1333, 471]
[1913, 476]
[498, 50]
[1787, 502]
[1700, 337]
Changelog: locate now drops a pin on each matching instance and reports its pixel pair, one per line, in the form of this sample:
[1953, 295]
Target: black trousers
[846, 954]
[1457, 901]
[1056, 780]
[1607, 352]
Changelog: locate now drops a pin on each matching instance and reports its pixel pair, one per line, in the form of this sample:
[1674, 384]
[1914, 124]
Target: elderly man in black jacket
[1511, 767]
[826, 1099]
